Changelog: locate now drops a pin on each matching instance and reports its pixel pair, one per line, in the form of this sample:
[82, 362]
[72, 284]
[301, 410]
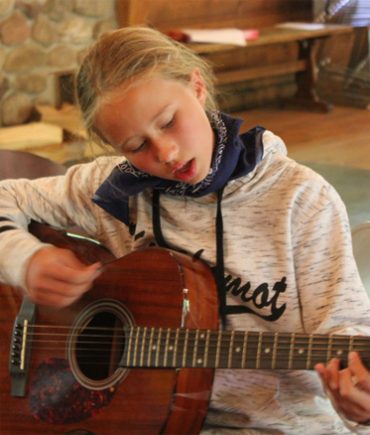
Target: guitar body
[75, 382]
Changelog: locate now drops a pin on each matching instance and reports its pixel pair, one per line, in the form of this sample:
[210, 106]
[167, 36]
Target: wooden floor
[341, 137]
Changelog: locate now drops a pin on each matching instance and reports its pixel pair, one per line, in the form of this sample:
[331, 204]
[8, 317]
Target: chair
[21, 164]
[361, 251]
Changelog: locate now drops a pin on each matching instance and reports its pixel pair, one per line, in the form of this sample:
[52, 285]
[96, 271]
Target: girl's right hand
[56, 278]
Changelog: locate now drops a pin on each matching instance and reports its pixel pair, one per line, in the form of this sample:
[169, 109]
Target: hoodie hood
[236, 155]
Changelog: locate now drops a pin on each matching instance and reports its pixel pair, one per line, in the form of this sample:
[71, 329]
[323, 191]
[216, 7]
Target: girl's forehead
[141, 99]
[144, 84]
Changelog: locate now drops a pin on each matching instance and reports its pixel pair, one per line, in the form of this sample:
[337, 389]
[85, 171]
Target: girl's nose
[166, 151]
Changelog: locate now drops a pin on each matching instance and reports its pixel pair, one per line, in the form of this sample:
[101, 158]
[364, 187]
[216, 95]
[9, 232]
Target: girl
[275, 232]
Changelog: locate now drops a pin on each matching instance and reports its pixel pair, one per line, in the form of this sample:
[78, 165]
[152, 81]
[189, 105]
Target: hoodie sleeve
[332, 296]
[60, 201]
[328, 281]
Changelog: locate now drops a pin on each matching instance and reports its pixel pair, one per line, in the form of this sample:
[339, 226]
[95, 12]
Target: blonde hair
[123, 54]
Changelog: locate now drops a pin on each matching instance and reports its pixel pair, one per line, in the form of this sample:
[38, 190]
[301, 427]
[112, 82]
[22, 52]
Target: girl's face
[160, 126]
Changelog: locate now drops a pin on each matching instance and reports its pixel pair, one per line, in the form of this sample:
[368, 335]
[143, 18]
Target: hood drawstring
[219, 270]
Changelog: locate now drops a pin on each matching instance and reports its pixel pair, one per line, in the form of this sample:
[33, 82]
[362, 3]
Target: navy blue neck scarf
[234, 156]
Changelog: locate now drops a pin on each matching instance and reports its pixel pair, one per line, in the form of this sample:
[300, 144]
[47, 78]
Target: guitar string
[254, 334]
[223, 362]
[249, 362]
[212, 341]
[317, 354]
[161, 340]
[201, 351]
[264, 337]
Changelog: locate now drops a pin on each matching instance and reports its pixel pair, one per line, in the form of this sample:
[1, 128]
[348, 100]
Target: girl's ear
[199, 86]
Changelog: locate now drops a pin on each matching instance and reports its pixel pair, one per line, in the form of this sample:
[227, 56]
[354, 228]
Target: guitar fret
[158, 346]
[171, 347]
[174, 358]
[184, 355]
[330, 344]
[237, 349]
[274, 350]
[258, 356]
[224, 348]
[129, 348]
[231, 346]
[340, 346]
[267, 350]
[291, 351]
[137, 330]
[195, 348]
[202, 345]
[150, 348]
[143, 347]
[350, 346]
[206, 350]
[301, 351]
[245, 345]
[308, 361]
[217, 359]
[166, 348]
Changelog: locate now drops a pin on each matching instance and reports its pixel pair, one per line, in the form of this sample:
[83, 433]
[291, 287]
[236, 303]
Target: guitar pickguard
[56, 397]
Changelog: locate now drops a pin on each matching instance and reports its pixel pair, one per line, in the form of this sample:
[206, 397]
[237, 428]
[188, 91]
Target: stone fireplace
[41, 43]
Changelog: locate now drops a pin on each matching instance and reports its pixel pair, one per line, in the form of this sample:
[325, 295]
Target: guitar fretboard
[170, 348]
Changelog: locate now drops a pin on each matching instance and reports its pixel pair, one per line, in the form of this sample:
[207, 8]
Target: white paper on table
[218, 36]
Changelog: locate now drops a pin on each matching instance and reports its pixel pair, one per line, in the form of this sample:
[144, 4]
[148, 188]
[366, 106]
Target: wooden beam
[35, 134]
[260, 72]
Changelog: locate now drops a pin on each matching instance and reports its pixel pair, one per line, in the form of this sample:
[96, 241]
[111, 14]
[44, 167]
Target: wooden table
[304, 67]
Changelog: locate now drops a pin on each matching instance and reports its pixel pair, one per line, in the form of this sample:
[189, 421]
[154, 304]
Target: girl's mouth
[186, 172]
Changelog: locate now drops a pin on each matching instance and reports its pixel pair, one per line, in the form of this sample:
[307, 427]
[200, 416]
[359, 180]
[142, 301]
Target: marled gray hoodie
[288, 260]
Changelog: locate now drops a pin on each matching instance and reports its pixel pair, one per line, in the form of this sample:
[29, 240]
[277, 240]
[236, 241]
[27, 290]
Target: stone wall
[40, 39]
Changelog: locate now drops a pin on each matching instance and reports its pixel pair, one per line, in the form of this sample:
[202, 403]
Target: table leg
[306, 80]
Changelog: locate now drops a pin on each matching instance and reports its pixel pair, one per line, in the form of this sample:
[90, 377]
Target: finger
[332, 376]
[322, 372]
[51, 299]
[356, 406]
[63, 263]
[71, 275]
[360, 374]
[61, 288]
[346, 384]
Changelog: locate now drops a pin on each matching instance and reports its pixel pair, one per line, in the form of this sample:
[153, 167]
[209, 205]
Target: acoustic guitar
[136, 355]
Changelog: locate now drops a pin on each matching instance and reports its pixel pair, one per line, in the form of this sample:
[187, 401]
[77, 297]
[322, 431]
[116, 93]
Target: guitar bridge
[20, 348]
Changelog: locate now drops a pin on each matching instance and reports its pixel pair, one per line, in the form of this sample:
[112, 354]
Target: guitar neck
[196, 348]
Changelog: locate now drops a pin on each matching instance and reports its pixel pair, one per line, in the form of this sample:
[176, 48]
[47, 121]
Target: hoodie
[288, 267]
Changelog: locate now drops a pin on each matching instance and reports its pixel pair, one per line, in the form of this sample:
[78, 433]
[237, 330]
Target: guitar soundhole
[97, 343]
[100, 346]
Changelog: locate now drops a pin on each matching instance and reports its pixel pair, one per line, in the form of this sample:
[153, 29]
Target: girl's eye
[169, 123]
[139, 148]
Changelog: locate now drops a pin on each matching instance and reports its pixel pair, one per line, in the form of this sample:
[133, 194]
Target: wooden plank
[35, 134]
[252, 57]
[165, 15]
[260, 72]
[255, 93]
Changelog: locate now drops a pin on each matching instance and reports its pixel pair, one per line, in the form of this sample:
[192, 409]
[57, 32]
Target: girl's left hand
[349, 387]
